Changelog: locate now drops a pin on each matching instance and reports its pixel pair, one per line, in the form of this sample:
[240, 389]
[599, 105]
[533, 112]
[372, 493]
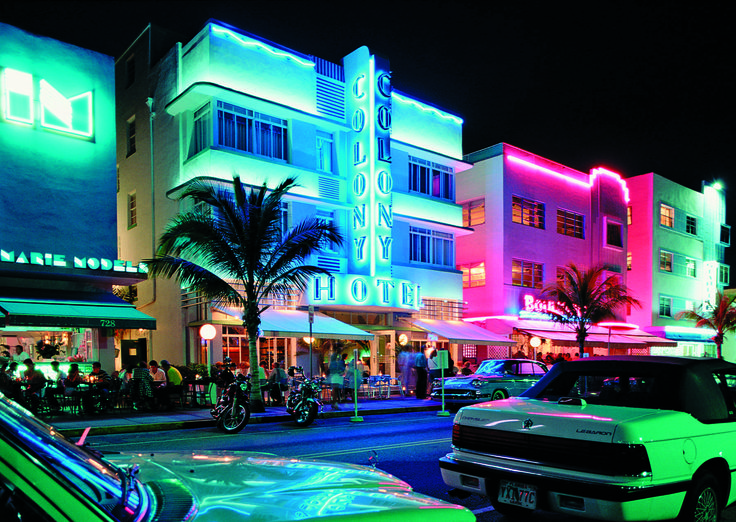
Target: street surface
[405, 445]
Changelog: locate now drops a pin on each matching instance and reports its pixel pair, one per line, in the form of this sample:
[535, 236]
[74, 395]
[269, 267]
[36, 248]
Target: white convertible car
[607, 438]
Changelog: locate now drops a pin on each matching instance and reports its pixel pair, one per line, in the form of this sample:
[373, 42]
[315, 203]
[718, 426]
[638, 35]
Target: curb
[210, 423]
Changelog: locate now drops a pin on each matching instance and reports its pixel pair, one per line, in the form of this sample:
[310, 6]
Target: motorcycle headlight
[476, 383]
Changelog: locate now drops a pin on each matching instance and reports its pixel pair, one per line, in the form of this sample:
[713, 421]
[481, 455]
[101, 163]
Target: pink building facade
[530, 217]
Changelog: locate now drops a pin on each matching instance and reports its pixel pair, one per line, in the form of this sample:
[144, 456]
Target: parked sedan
[493, 380]
[45, 477]
[606, 438]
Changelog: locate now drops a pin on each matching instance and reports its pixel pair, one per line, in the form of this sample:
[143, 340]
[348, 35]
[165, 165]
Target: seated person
[141, 387]
[99, 398]
[35, 382]
[55, 386]
[173, 383]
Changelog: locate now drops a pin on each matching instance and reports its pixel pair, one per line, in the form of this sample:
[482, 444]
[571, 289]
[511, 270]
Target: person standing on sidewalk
[420, 365]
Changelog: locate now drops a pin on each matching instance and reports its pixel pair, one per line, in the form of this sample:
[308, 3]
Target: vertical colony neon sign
[21, 94]
[370, 192]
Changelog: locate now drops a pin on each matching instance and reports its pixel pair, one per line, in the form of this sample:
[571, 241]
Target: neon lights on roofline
[426, 108]
[595, 172]
[248, 42]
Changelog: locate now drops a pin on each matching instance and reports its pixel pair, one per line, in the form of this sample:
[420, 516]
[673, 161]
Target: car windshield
[74, 465]
[636, 389]
[491, 367]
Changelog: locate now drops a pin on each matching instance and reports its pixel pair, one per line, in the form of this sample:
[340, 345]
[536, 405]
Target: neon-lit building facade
[531, 216]
[677, 242]
[58, 261]
[377, 162]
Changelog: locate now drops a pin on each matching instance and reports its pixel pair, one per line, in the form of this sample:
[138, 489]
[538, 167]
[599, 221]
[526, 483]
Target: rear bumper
[585, 498]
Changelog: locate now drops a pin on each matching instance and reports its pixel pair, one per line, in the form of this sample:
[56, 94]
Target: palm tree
[720, 317]
[585, 297]
[234, 252]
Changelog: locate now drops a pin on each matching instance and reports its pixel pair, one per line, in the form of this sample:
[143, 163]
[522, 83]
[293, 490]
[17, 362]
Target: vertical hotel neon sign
[21, 94]
[371, 185]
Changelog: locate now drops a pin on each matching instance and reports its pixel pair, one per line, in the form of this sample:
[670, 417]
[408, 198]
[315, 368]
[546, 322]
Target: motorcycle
[232, 410]
[304, 402]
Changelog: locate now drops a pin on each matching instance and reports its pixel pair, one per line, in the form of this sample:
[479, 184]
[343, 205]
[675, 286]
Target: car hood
[464, 382]
[573, 421]
[231, 486]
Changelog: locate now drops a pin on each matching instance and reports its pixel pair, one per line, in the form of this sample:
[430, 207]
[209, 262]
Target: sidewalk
[185, 418]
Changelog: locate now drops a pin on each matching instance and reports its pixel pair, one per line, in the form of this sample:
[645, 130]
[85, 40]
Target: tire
[499, 395]
[232, 421]
[305, 413]
[703, 502]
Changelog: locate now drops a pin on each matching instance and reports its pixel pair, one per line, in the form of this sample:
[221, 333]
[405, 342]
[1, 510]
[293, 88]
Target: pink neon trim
[595, 172]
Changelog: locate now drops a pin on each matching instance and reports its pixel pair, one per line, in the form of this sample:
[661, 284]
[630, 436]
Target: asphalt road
[407, 446]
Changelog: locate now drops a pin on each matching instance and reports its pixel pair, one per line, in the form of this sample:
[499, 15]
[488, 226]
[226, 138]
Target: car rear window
[656, 390]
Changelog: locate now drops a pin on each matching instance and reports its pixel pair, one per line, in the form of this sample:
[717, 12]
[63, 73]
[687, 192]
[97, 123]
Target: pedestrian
[277, 384]
[420, 365]
[336, 378]
[433, 366]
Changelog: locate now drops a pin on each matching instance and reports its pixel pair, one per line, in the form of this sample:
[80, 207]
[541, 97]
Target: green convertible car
[45, 477]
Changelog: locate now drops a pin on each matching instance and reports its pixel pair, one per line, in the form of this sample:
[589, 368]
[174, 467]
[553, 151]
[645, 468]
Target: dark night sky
[633, 86]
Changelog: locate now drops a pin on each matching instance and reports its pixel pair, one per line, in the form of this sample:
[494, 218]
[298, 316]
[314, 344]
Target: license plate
[517, 494]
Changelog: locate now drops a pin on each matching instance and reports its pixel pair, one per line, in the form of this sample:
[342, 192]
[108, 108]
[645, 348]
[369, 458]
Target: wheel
[305, 413]
[232, 421]
[499, 395]
[702, 503]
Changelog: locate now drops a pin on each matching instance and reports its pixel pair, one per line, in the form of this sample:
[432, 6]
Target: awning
[76, 311]
[460, 332]
[295, 323]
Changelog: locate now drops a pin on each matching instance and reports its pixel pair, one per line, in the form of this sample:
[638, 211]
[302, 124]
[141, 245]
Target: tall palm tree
[720, 317]
[234, 252]
[584, 297]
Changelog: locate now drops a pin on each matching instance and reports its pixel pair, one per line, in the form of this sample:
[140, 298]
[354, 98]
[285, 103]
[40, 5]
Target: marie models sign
[62, 261]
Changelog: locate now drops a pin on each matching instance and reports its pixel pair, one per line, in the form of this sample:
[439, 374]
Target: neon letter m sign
[55, 111]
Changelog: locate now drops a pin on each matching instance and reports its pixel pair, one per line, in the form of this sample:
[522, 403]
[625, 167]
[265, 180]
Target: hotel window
[526, 273]
[328, 217]
[666, 215]
[665, 261]
[527, 212]
[130, 70]
[570, 224]
[474, 274]
[202, 130]
[665, 306]
[691, 225]
[431, 247]
[723, 275]
[324, 151]
[250, 131]
[284, 218]
[690, 268]
[474, 213]
[628, 260]
[628, 215]
[725, 234]
[431, 178]
[132, 210]
[130, 135]
[614, 234]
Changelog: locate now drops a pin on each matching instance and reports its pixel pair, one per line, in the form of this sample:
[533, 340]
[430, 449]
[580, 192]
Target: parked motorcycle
[232, 410]
[304, 401]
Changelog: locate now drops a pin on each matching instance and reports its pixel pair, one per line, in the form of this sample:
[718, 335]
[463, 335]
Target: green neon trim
[248, 42]
[427, 108]
[18, 99]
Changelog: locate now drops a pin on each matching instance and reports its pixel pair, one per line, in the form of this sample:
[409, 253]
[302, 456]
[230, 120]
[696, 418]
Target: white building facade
[378, 163]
